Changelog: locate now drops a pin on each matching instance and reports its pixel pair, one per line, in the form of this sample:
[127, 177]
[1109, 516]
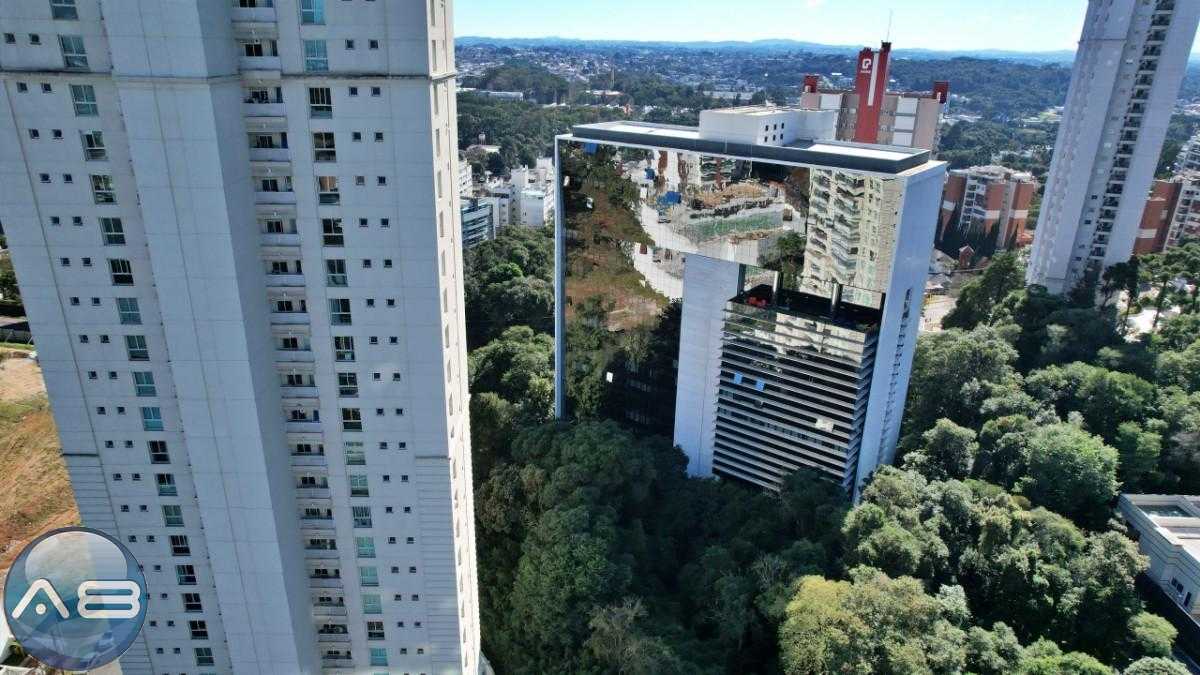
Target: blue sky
[1022, 25]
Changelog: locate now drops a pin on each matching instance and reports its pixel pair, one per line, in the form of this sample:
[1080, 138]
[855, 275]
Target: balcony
[253, 14]
[332, 637]
[282, 239]
[321, 554]
[265, 113]
[271, 160]
[329, 609]
[313, 493]
[260, 64]
[289, 319]
[313, 523]
[284, 280]
[324, 581]
[261, 197]
[294, 356]
[309, 459]
[301, 426]
[298, 392]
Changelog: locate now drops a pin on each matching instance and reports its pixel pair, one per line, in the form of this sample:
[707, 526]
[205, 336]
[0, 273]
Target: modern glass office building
[745, 288]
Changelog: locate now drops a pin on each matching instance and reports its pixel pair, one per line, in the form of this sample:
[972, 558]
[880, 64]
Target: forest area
[990, 548]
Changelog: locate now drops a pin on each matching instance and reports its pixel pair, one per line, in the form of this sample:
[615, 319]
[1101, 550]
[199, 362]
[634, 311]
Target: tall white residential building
[235, 226]
[1128, 68]
[1188, 158]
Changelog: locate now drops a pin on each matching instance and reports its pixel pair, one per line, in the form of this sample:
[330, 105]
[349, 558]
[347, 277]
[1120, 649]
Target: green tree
[1149, 636]
[1071, 472]
[619, 642]
[519, 367]
[979, 297]
[1156, 666]
[947, 451]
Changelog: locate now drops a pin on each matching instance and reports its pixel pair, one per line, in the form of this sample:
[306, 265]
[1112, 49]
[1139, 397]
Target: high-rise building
[871, 114]
[234, 228]
[985, 207]
[1128, 68]
[1188, 158]
[478, 221]
[1171, 215]
[749, 288]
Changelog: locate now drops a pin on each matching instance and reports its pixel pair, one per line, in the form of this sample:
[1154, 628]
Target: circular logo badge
[75, 599]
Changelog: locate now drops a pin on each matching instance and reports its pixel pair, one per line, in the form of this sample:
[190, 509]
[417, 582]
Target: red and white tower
[870, 84]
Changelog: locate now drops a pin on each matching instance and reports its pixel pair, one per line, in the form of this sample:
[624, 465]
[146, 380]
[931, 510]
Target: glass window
[121, 272]
[166, 485]
[84, 98]
[371, 604]
[179, 545]
[143, 383]
[358, 486]
[364, 547]
[355, 455]
[327, 190]
[343, 348]
[102, 190]
[316, 59]
[324, 147]
[93, 145]
[128, 312]
[152, 418]
[204, 656]
[136, 346]
[158, 452]
[368, 576]
[114, 232]
[331, 232]
[312, 11]
[351, 419]
[320, 102]
[335, 273]
[339, 312]
[63, 10]
[185, 575]
[378, 655]
[375, 630]
[172, 515]
[347, 385]
[74, 56]
[362, 516]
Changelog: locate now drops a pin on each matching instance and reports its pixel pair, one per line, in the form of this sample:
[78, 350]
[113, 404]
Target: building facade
[478, 222]
[755, 302]
[234, 229]
[986, 207]
[1171, 215]
[1128, 69]
[871, 114]
[1188, 158]
[1165, 527]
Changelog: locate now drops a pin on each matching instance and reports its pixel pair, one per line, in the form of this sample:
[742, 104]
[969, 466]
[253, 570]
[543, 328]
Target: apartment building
[234, 225]
[870, 113]
[478, 221]
[985, 207]
[1130, 62]
[1171, 215]
[1188, 158]
[696, 318]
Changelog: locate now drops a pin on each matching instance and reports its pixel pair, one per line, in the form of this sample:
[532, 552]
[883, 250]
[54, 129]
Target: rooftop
[885, 159]
[1176, 518]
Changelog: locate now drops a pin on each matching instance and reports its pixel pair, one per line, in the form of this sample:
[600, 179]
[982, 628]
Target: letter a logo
[40, 608]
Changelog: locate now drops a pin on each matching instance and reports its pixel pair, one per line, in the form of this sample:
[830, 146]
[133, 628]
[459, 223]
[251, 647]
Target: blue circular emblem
[75, 599]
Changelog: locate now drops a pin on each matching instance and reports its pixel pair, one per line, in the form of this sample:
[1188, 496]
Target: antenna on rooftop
[891, 12]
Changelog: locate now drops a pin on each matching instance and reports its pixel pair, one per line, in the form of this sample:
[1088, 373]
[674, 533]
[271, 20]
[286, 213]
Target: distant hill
[772, 45]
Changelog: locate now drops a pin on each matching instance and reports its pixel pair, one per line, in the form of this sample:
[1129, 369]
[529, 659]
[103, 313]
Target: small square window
[356, 136]
[374, 340]
[68, 178]
[65, 262]
[379, 413]
[77, 221]
[384, 222]
[44, 177]
[376, 91]
[376, 376]
[55, 220]
[87, 262]
[366, 263]
[56, 134]
[381, 180]
[370, 302]
[349, 44]
[10, 38]
[22, 87]
[362, 222]
[34, 134]
[93, 375]
[373, 44]
[112, 375]
[354, 91]
[35, 39]
[395, 377]
[74, 301]
[378, 136]
[95, 302]
[394, 340]
[46, 88]
[391, 302]
[358, 180]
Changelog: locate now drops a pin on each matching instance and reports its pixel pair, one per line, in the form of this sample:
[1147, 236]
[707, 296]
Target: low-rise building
[1167, 529]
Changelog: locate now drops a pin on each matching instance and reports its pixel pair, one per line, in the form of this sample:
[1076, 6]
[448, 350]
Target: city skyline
[939, 25]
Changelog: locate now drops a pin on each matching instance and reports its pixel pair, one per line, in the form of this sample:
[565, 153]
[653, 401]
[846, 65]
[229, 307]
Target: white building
[535, 208]
[1128, 68]
[1165, 527]
[1188, 158]
[235, 229]
[465, 182]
